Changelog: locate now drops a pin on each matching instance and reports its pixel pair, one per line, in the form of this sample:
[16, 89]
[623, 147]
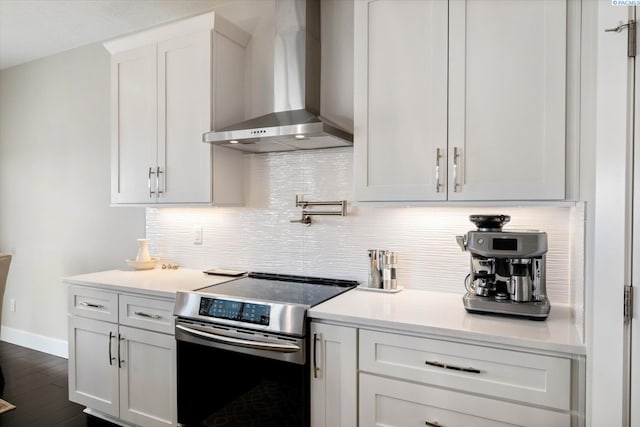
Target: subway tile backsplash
[260, 236]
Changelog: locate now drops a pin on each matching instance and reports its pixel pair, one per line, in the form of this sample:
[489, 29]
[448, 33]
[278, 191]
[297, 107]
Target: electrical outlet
[197, 235]
[12, 304]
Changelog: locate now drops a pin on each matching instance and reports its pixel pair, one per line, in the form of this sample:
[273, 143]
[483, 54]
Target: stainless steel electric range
[243, 356]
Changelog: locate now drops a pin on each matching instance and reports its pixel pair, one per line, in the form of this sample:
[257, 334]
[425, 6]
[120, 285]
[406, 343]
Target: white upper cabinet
[184, 109]
[507, 97]
[134, 124]
[460, 100]
[400, 91]
[169, 85]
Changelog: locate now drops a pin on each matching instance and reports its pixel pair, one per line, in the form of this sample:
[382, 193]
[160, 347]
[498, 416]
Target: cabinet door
[93, 364]
[147, 377]
[333, 376]
[133, 125]
[507, 79]
[184, 114]
[400, 100]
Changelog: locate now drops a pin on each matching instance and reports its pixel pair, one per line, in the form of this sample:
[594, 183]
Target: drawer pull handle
[88, 304]
[143, 314]
[452, 367]
[433, 424]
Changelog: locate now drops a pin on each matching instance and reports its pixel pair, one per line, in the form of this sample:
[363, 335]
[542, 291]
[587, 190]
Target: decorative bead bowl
[142, 265]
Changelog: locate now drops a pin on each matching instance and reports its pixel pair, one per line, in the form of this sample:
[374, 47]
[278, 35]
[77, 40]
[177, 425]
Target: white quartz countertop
[409, 311]
[437, 313]
[156, 281]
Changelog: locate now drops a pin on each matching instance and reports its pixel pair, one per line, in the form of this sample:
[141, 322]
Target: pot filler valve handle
[462, 242]
[306, 220]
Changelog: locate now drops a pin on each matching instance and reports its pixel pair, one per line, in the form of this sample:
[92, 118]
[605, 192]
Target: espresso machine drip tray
[534, 310]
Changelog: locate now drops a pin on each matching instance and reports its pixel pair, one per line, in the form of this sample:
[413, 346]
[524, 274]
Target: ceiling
[32, 29]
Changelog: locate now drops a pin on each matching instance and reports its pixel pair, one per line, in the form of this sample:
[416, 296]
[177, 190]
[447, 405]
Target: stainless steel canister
[520, 286]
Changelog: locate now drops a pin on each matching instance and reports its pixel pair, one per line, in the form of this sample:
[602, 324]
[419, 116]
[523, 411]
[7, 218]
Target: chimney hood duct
[296, 123]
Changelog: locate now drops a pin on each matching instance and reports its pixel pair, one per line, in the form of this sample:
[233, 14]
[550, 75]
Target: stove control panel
[258, 314]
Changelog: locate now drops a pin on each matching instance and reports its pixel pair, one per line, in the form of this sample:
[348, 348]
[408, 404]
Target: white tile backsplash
[260, 236]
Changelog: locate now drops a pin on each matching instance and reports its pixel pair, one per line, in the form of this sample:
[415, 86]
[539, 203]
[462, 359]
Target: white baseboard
[106, 417]
[33, 341]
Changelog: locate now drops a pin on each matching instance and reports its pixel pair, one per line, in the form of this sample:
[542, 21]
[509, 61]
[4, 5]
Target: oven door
[238, 377]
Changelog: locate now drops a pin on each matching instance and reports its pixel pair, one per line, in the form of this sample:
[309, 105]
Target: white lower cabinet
[404, 380]
[409, 380]
[334, 376]
[147, 378]
[93, 369]
[124, 372]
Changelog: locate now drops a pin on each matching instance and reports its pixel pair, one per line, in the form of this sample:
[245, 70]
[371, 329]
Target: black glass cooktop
[301, 290]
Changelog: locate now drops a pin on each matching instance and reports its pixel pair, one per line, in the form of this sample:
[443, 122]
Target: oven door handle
[282, 348]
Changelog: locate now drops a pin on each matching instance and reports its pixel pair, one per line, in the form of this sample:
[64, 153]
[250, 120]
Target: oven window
[219, 387]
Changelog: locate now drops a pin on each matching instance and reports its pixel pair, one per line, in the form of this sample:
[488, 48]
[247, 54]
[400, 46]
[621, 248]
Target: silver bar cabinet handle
[452, 367]
[120, 361]
[438, 157]
[89, 304]
[315, 361]
[143, 314]
[111, 358]
[151, 172]
[456, 155]
[158, 172]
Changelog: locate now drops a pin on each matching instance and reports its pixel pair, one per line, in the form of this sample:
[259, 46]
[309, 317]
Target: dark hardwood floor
[36, 383]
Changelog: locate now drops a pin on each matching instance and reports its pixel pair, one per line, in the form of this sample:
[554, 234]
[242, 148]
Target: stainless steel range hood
[296, 123]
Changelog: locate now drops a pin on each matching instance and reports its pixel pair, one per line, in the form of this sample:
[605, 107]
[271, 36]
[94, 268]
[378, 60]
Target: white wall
[54, 187]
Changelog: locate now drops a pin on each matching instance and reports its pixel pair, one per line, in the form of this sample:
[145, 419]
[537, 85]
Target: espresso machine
[507, 269]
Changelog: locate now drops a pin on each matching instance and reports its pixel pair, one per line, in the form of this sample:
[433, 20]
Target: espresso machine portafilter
[507, 269]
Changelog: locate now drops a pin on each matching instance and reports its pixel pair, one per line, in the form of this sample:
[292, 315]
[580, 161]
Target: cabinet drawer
[387, 402]
[93, 303]
[152, 314]
[530, 378]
